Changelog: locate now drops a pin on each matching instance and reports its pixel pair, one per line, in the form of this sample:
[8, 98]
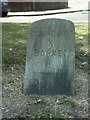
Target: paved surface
[77, 12]
[74, 17]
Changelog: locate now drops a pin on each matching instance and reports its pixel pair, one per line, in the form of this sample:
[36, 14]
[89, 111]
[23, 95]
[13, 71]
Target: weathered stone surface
[50, 58]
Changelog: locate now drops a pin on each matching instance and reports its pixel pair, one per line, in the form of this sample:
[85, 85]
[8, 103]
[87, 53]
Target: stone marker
[50, 58]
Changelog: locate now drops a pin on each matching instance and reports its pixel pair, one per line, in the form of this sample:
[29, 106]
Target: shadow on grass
[14, 42]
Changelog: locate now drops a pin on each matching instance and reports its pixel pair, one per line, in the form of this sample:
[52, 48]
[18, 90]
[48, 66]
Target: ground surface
[16, 104]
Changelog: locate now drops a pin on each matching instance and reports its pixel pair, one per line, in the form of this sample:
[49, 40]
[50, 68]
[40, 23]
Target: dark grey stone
[50, 61]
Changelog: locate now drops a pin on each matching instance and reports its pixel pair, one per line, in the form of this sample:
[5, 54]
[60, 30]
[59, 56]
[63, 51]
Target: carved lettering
[42, 52]
[59, 67]
[53, 52]
[36, 53]
[49, 52]
[50, 42]
[48, 63]
[49, 33]
[59, 52]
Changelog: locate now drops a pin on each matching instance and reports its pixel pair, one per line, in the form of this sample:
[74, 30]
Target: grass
[67, 101]
[48, 113]
[14, 41]
[82, 43]
[81, 29]
[15, 36]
